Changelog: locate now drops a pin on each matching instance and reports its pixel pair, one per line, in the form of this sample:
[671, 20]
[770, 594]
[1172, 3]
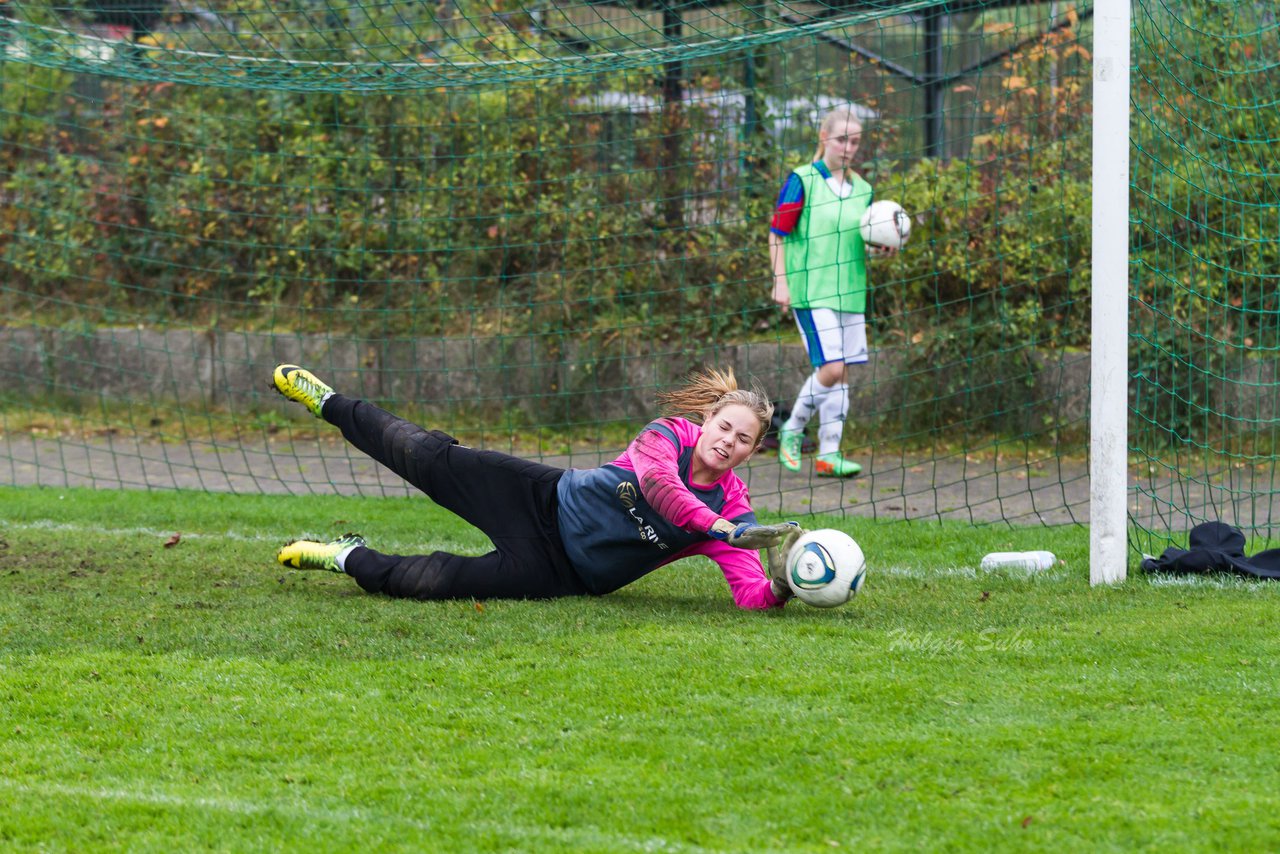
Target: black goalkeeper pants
[513, 501]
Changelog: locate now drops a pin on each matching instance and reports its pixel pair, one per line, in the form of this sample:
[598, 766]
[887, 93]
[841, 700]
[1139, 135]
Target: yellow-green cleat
[835, 465]
[309, 554]
[301, 385]
[790, 445]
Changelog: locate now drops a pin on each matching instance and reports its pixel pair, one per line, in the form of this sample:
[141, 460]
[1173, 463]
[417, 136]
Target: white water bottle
[1024, 561]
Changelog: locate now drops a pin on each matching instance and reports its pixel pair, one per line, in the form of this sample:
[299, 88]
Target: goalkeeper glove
[778, 554]
[745, 535]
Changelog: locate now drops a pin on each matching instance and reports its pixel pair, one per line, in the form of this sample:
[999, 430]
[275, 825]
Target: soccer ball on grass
[825, 568]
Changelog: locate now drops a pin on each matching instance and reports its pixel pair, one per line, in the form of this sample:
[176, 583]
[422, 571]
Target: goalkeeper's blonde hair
[708, 391]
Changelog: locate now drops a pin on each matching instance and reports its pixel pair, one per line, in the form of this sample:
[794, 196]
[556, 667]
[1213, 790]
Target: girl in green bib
[819, 264]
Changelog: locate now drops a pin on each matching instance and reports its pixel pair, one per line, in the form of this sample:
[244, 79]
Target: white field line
[340, 816]
[964, 572]
[1221, 581]
[236, 806]
[275, 540]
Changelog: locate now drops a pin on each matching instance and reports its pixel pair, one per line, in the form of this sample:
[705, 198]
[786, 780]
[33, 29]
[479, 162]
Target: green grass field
[195, 696]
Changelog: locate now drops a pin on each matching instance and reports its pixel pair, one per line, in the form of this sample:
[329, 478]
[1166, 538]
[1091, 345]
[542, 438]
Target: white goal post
[1109, 368]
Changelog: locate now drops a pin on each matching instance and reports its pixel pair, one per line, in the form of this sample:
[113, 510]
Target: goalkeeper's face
[728, 438]
[840, 144]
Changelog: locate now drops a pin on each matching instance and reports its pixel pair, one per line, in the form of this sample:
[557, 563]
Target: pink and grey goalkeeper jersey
[625, 519]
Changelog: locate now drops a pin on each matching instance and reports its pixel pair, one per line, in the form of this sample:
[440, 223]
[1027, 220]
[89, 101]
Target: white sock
[806, 404]
[341, 559]
[833, 408]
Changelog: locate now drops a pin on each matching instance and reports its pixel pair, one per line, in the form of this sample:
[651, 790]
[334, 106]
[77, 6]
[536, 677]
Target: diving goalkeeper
[566, 532]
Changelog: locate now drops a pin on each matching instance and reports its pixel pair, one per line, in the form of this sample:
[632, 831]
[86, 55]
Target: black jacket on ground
[1216, 547]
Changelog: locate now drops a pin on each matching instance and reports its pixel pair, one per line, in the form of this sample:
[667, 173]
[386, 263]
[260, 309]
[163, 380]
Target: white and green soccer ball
[826, 568]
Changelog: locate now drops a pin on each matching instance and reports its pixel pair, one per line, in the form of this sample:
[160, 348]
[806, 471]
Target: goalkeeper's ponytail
[707, 392]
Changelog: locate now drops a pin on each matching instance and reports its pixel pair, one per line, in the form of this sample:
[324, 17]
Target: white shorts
[832, 336]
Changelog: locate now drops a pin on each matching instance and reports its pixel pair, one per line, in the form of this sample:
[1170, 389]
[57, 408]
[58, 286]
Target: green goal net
[517, 221]
[1205, 251]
